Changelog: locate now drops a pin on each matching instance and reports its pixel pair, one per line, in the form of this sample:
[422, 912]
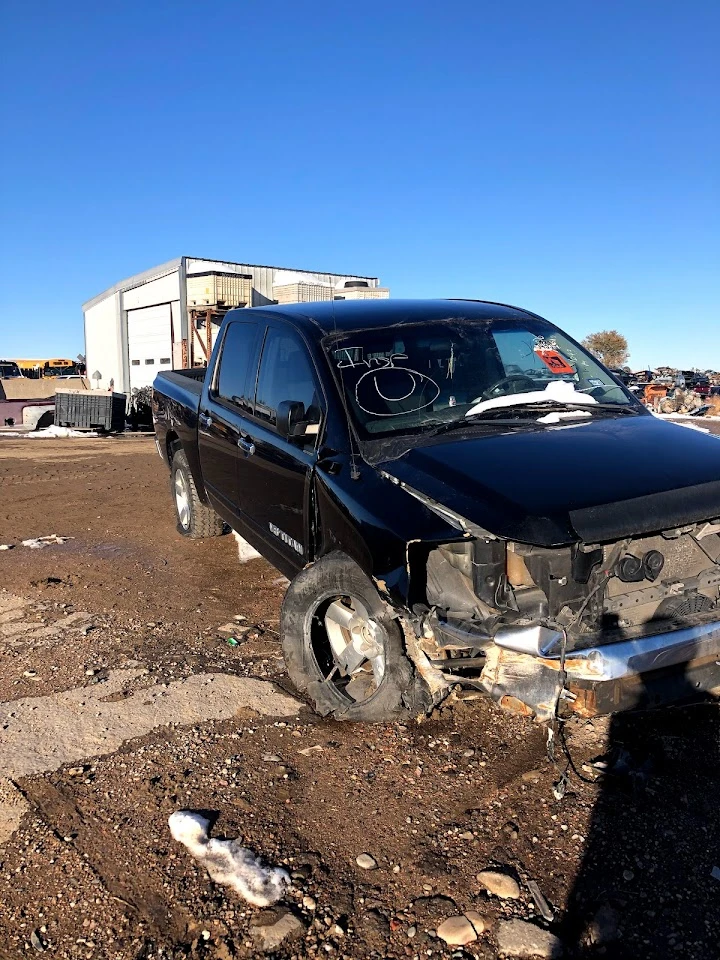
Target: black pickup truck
[461, 496]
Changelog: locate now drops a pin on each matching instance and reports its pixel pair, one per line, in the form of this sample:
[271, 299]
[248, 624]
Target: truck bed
[176, 402]
[184, 386]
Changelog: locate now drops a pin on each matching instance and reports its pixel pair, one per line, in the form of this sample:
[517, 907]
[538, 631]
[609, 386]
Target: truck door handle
[246, 445]
[205, 419]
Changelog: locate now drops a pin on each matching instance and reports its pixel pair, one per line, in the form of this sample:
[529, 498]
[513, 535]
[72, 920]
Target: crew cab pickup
[461, 496]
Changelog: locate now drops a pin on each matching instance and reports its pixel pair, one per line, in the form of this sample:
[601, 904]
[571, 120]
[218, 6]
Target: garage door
[149, 343]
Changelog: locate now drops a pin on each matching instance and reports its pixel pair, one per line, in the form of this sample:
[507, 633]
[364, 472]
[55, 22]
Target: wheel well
[172, 445]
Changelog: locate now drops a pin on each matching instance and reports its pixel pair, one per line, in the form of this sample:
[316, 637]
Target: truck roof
[339, 316]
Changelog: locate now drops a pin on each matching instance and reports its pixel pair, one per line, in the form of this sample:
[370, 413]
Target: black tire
[46, 420]
[201, 521]
[400, 693]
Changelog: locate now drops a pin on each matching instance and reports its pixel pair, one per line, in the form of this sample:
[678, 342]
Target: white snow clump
[228, 862]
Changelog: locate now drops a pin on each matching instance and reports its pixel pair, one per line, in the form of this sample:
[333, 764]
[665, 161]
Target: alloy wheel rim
[353, 658]
[182, 500]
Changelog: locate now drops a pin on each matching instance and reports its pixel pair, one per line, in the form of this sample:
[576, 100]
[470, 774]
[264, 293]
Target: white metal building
[167, 317]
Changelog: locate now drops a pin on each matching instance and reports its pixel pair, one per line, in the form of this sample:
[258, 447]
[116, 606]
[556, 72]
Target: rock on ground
[457, 931]
[480, 923]
[461, 930]
[366, 862]
[269, 936]
[520, 939]
[499, 884]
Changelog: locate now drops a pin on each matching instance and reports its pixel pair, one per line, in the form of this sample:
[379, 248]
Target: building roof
[164, 268]
[135, 281]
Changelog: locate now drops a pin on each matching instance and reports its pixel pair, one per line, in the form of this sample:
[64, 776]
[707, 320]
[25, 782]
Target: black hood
[593, 481]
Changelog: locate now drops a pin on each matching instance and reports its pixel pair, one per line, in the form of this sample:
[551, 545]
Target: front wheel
[344, 649]
[195, 519]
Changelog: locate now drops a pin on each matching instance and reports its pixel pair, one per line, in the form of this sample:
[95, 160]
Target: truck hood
[594, 481]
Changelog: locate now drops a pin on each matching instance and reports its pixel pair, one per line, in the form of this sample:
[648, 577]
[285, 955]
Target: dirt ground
[120, 703]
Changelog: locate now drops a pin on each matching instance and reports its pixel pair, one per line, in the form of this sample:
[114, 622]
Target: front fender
[374, 521]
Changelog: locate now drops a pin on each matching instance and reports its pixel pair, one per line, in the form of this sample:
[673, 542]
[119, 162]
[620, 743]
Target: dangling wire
[562, 678]
[556, 730]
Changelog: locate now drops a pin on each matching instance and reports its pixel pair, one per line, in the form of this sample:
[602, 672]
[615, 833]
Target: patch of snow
[681, 420]
[559, 390]
[228, 862]
[695, 426]
[556, 417]
[61, 432]
[685, 416]
[37, 543]
[6, 546]
[48, 433]
[245, 550]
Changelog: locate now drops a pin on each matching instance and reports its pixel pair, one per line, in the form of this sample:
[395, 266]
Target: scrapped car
[26, 403]
[461, 496]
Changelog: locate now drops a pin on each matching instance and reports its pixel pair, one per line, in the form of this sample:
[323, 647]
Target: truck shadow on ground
[646, 887]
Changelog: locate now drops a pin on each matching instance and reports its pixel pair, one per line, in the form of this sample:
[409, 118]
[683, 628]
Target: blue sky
[561, 156]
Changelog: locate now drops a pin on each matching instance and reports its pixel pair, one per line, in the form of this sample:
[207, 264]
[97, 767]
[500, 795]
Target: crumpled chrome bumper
[523, 667]
[616, 661]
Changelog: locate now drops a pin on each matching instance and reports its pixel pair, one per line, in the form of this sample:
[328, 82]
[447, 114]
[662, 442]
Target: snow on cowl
[228, 862]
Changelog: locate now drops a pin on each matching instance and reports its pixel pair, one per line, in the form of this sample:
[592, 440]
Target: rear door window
[235, 381]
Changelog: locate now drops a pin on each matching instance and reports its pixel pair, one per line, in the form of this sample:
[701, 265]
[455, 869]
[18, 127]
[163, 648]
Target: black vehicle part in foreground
[462, 497]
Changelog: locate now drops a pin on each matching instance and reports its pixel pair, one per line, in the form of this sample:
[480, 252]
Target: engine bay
[593, 593]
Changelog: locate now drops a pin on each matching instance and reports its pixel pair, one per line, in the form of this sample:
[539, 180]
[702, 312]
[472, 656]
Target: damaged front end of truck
[562, 544]
[588, 628]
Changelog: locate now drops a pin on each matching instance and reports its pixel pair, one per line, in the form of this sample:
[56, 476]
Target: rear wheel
[45, 421]
[195, 519]
[343, 647]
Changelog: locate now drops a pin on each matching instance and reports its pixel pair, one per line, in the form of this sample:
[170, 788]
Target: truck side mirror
[291, 420]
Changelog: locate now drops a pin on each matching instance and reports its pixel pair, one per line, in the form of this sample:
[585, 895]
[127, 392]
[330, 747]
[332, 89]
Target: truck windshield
[9, 370]
[412, 377]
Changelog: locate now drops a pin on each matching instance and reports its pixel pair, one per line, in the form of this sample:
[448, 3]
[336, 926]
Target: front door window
[286, 373]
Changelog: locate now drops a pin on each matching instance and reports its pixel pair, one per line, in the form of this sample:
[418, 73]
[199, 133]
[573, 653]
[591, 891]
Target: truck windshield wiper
[552, 405]
[517, 415]
[464, 422]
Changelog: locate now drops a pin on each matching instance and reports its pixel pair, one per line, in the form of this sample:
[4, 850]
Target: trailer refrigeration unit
[168, 317]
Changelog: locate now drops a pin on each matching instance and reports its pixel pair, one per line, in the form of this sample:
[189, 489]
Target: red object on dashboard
[554, 361]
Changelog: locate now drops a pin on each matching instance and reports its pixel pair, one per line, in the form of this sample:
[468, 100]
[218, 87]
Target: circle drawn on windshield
[378, 388]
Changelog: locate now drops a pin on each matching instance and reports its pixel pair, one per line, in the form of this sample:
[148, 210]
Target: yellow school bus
[53, 367]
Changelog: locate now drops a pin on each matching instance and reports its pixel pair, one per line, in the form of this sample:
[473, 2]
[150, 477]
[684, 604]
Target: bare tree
[609, 346]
